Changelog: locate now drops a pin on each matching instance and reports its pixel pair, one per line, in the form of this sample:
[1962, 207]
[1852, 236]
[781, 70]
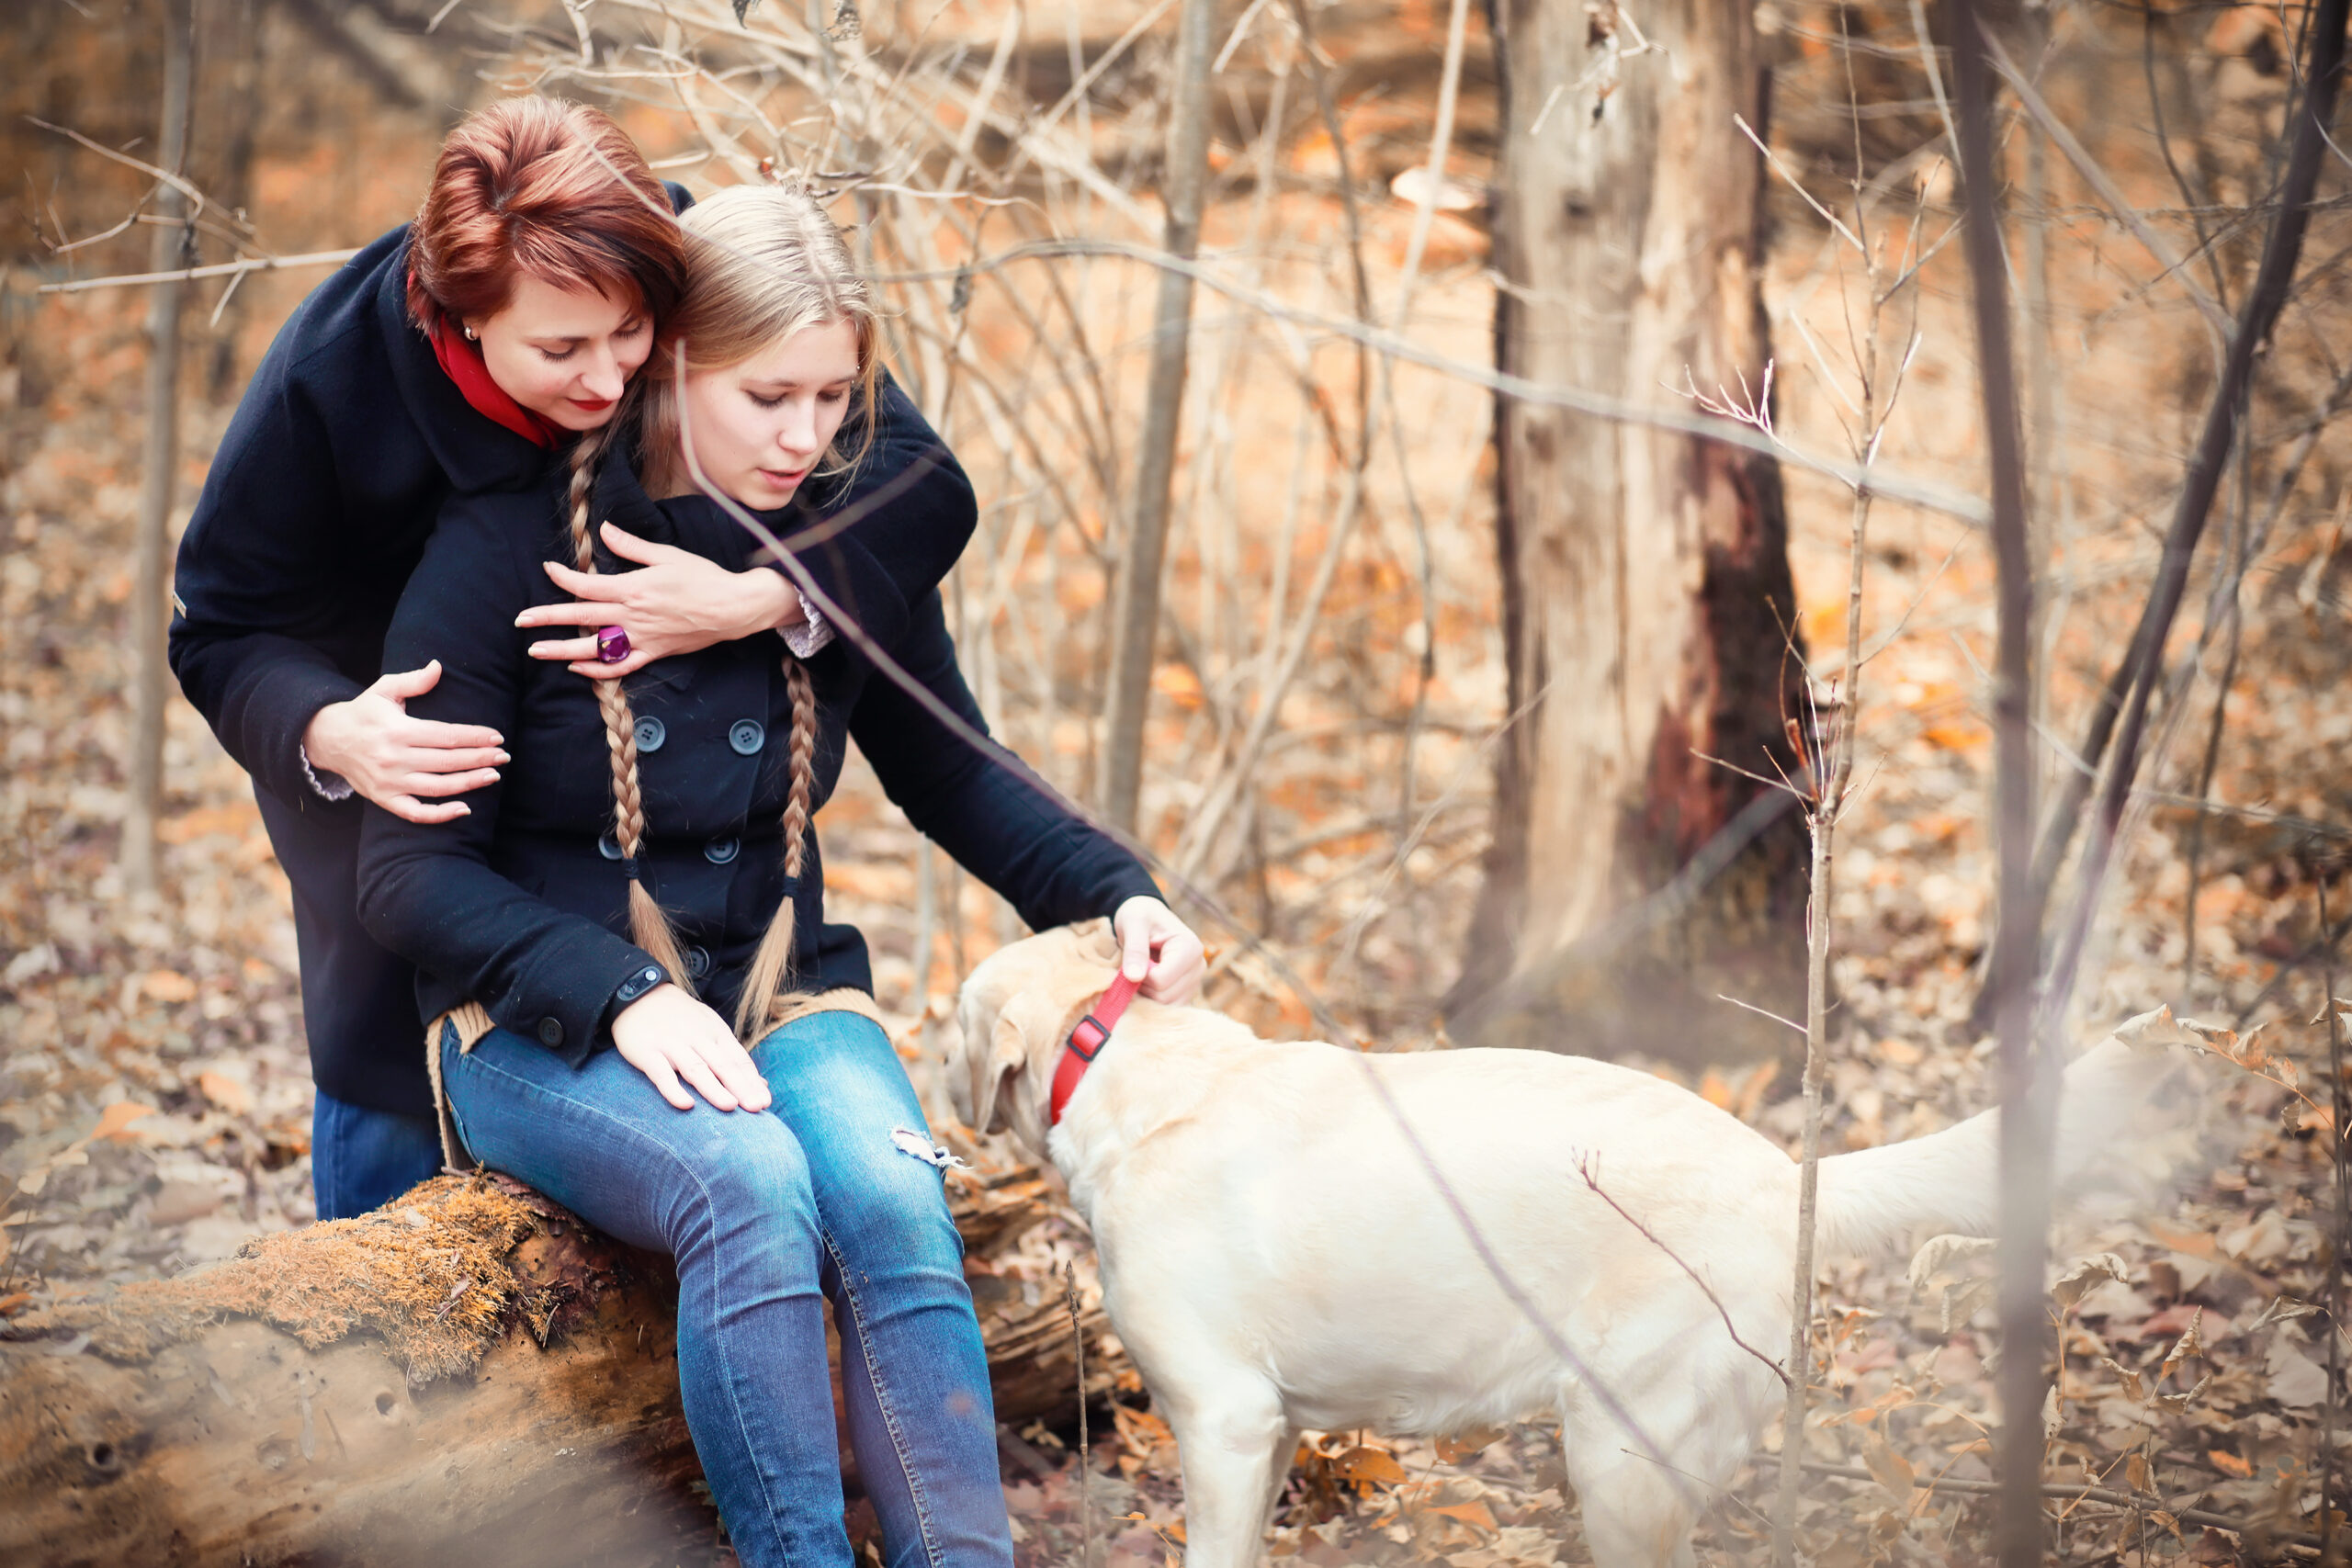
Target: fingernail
[502, 758]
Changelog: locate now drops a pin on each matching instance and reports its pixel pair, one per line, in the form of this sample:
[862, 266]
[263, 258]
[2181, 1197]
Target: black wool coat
[521, 906]
[316, 509]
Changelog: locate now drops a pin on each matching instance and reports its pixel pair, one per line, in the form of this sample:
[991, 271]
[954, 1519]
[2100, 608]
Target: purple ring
[612, 645]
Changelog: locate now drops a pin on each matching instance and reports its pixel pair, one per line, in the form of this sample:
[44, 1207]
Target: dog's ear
[993, 1070]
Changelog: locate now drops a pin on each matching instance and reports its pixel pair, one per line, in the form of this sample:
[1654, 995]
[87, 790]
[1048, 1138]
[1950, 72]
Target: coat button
[550, 1032]
[748, 735]
[651, 733]
[697, 962]
[718, 851]
[609, 847]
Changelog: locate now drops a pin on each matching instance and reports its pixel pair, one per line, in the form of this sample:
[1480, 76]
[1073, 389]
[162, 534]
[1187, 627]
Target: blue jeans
[362, 1158]
[768, 1214]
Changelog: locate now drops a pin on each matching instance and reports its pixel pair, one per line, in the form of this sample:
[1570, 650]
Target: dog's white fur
[1277, 1257]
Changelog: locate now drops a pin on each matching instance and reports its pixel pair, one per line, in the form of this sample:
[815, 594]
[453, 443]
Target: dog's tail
[1950, 1180]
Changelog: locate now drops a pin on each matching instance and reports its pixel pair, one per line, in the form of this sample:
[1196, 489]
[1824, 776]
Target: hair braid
[771, 967]
[648, 926]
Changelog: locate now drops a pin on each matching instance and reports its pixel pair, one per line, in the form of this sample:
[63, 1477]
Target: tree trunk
[1135, 620]
[467, 1374]
[1648, 613]
[171, 247]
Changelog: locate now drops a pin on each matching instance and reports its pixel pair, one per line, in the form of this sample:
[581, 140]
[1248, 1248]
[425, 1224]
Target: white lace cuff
[330, 787]
[809, 637]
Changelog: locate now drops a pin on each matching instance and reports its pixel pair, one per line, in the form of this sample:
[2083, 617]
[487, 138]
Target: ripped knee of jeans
[916, 1143]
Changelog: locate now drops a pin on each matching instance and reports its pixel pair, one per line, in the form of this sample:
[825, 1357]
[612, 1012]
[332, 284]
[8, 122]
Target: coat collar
[475, 452]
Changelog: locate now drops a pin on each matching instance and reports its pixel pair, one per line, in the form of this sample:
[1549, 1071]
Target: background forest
[1467, 712]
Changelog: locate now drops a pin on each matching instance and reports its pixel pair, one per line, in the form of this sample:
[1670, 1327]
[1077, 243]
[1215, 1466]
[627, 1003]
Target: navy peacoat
[522, 905]
[316, 509]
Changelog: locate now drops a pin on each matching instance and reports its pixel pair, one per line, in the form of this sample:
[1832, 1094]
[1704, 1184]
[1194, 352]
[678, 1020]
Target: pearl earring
[472, 336]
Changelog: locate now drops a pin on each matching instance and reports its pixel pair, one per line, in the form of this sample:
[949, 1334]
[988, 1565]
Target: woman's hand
[1159, 949]
[402, 764]
[676, 603]
[667, 1035]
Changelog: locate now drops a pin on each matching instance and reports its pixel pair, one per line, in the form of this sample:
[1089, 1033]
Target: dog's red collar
[1086, 1042]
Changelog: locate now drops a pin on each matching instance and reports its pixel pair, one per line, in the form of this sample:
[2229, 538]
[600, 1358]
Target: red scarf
[463, 364]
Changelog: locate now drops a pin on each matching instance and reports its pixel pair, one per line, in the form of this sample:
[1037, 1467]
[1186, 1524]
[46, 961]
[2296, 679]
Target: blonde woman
[648, 859]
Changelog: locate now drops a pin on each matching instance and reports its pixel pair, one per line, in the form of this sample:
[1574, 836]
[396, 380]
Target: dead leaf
[2280, 1308]
[1946, 1255]
[2078, 1281]
[2212, 1548]
[225, 1092]
[2154, 1031]
[2191, 1342]
[168, 985]
[1474, 1514]
[2229, 1463]
[1460, 1445]
[1889, 1468]
[1941, 1252]
[1369, 1466]
[2194, 1242]
[2295, 1380]
[115, 1121]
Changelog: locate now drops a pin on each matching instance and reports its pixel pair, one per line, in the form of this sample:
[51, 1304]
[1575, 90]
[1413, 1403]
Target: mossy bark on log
[468, 1373]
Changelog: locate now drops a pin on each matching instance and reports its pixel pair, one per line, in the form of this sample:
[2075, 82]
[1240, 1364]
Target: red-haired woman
[457, 354]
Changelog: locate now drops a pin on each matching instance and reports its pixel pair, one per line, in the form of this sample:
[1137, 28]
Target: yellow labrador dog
[1298, 1235]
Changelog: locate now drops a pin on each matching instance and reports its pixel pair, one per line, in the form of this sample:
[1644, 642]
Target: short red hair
[554, 190]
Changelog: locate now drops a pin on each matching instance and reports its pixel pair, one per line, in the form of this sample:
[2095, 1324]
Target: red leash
[1086, 1042]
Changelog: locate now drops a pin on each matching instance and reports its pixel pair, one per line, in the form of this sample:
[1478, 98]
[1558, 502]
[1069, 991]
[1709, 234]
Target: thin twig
[190, 274]
[1587, 1165]
[1085, 1449]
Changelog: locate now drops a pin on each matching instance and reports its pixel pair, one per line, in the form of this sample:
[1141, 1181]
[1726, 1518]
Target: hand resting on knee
[667, 1035]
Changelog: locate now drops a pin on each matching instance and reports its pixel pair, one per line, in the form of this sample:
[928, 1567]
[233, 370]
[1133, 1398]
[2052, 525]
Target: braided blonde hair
[648, 926]
[762, 264]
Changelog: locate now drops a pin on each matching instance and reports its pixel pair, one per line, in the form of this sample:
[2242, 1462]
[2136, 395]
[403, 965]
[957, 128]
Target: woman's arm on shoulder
[428, 890]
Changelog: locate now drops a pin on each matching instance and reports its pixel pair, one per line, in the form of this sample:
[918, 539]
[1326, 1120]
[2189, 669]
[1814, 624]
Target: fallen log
[468, 1373]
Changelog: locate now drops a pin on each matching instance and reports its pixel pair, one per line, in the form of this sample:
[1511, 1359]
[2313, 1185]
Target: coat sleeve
[257, 564]
[980, 803]
[428, 891]
[892, 528]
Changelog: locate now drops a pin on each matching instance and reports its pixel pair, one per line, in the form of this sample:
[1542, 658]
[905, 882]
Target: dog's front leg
[1236, 1446]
